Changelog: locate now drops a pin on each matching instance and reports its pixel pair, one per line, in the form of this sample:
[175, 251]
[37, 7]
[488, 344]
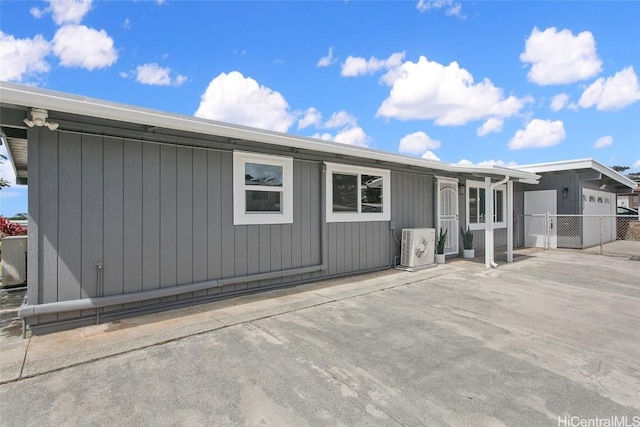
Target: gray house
[580, 199]
[132, 209]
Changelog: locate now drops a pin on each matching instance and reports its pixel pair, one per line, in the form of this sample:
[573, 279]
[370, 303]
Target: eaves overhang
[578, 165]
[30, 97]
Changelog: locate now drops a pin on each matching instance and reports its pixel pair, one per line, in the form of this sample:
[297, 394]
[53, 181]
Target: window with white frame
[357, 193]
[262, 189]
[476, 215]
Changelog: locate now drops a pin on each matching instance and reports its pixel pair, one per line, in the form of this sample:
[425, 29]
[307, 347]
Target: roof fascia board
[579, 164]
[73, 104]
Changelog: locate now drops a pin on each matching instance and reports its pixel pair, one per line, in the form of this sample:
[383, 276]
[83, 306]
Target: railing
[604, 234]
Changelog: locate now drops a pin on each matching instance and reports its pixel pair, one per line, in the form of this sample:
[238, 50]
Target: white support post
[488, 226]
[510, 221]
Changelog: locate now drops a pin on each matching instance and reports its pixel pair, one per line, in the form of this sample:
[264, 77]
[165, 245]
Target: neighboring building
[576, 194]
[132, 209]
[630, 199]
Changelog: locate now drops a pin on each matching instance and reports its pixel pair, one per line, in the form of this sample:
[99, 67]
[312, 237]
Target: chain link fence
[604, 234]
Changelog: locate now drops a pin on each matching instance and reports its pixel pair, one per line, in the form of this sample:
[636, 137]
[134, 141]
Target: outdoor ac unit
[418, 246]
[14, 260]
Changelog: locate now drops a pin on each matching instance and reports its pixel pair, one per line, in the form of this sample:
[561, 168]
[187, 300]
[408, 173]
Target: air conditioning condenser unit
[418, 247]
[14, 260]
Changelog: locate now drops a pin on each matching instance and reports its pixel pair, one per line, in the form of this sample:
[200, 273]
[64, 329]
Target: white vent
[417, 246]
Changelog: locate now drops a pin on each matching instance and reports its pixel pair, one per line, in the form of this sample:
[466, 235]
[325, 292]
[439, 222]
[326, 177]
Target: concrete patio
[554, 334]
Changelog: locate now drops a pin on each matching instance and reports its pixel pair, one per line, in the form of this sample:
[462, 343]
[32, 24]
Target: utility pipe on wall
[488, 230]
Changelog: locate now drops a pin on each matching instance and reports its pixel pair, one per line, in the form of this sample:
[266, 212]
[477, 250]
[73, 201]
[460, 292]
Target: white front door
[538, 232]
[448, 213]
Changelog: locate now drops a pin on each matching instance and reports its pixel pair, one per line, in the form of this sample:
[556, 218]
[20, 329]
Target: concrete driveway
[550, 340]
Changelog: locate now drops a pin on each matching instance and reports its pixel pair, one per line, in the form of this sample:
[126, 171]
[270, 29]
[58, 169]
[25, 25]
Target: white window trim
[240, 215]
[483, 225]
[385, 215]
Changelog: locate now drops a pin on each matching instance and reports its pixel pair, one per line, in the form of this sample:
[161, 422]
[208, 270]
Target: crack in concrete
[329, 374]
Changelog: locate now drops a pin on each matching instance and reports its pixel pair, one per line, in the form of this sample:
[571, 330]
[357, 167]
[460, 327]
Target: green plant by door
[467, 238]
[442, 240]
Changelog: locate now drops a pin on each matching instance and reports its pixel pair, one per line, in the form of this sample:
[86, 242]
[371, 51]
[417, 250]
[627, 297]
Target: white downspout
[488, 231]
[488, 222]
[510, 221]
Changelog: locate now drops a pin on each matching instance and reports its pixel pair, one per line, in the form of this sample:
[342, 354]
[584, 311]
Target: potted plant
[467, 244]
[442, 240]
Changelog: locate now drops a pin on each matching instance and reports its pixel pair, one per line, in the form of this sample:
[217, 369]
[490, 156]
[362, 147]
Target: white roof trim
[27, 96]
[566, 165]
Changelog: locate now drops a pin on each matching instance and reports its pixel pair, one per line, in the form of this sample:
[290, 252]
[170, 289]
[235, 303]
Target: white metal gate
[540, 223]
[448, 213]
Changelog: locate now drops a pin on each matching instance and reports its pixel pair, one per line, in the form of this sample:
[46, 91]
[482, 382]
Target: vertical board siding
[263, 240]
[310, 183]
[276, 250]
[34, 242]
[412, 198]
[92, 212]
[161, 216]
[132, 218]
[286, 250]
[69, 219]
[48, 213]
[296, 230]
[214, 214]
[151, 217]
[228, 230]
[184, 216]
[240, 246]
[200, 227]
[168, 216]
[113, 247]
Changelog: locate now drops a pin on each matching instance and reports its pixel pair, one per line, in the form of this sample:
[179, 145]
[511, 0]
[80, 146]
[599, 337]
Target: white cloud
[612, 93]
[339, 119]
[538, 133]
[559, 57]
[447, 94]
[491, 125]
[22, 57]
[310, 117]
[238, 99]
[636, 165]
[153, 74]
[497, 163]
[64, 11]
[465, 162]
[325, 61]
[559, 101]
[417, 143]
[604, 141]
[179, 79]
[84, 47]
[37, 13]
[355, 66]
[430, 155]
[451, 7]
[349, 135]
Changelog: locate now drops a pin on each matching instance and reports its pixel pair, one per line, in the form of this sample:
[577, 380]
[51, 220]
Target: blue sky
[494, 82]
